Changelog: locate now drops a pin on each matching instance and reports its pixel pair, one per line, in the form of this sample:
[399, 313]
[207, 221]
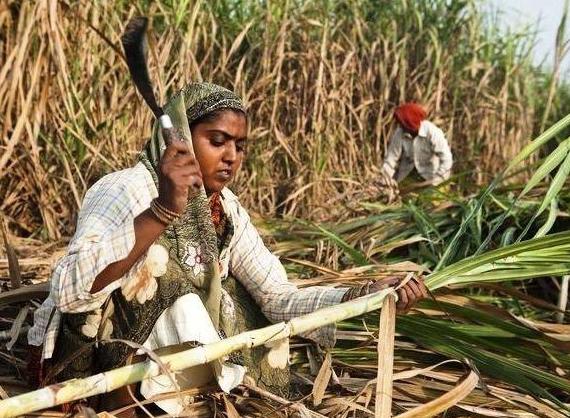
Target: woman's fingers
[182, 160]
[176, 147]
[415, 290]
[410, 294]
[189, 170]
[402, 300]
[179, 174]
[422, 286]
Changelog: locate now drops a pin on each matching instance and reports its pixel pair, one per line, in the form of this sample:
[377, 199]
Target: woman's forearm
[147, 229]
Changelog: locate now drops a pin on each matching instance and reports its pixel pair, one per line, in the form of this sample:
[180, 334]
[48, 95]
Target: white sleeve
[105, 234]
[442, 150]
[265, 279]
[393, 154]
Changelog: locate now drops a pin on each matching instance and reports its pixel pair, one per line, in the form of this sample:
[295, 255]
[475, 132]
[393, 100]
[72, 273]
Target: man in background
[418, 147]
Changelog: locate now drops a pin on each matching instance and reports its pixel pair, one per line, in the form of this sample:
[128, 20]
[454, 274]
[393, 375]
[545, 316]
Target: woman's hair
[211, 116]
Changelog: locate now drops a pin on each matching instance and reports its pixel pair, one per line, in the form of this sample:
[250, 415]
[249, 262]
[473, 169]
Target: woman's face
[219, 145]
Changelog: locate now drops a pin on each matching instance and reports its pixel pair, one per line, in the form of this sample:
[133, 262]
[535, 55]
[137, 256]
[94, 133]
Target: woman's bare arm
[147, 229]
[178, 171]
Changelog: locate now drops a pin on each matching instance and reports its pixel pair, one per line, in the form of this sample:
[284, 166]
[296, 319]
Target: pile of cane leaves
[482, 258]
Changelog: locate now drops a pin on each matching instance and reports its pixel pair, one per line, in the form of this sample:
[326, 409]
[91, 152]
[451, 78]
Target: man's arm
[393, 154]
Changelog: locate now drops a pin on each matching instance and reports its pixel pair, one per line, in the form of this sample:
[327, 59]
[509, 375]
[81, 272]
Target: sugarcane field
[284, 208]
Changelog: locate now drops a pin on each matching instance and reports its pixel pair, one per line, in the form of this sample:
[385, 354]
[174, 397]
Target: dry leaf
[322, 380]
[13, 265]
[383, 407]
[445, 401]
[230, 408]
[17, 326]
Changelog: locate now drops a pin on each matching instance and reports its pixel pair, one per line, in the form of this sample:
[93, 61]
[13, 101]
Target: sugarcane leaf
[539, 141]
[230, 408]
[516, 274]
[477, 315]
[358, 257]
[447, 275]
[552, 215]
[525, 153]
[508, 236]
[556, 185]
[550, 163]
[553, 191]
[436, 406]
[442, 338]
[322, 380]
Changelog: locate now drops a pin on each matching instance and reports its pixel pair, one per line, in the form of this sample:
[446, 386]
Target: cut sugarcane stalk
[386, 330]
[75, 389]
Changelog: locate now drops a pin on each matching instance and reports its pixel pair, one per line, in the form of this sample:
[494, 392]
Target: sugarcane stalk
[75, 389]
[13, 264]
[562, 299]
[386, 330]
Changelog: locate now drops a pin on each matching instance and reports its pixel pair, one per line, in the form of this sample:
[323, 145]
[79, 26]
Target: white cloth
[186, 320]
[105, 234]
[428, 152]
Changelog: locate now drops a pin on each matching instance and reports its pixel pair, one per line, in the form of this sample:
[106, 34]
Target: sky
[547, 12]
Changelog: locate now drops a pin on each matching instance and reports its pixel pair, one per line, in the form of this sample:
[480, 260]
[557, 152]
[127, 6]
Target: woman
[417, 143]
[137, 268]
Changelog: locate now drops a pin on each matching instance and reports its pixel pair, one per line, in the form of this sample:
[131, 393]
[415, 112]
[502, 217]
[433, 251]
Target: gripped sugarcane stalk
[75, 389]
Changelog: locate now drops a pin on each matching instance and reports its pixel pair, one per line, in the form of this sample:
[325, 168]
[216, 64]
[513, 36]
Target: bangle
[164, 215]
[163, 220]
[165, 210]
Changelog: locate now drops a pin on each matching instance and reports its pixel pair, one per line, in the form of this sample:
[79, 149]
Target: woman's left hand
[411, 293]
[408, 295]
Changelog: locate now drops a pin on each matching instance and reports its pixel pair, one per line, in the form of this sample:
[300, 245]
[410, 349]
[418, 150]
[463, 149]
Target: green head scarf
[190, 104]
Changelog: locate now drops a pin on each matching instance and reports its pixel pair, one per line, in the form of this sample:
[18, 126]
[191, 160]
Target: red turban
[410, 115]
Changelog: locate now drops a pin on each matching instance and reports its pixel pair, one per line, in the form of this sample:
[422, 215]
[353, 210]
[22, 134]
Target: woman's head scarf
[190, 104]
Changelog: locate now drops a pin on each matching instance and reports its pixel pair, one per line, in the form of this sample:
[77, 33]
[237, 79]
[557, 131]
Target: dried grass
[320, 81]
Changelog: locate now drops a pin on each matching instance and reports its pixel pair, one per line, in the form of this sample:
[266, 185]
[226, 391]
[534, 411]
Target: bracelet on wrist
[166, 210]
[164, 215]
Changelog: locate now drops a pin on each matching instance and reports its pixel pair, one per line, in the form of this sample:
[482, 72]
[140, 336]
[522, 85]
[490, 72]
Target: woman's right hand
[178, 171]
